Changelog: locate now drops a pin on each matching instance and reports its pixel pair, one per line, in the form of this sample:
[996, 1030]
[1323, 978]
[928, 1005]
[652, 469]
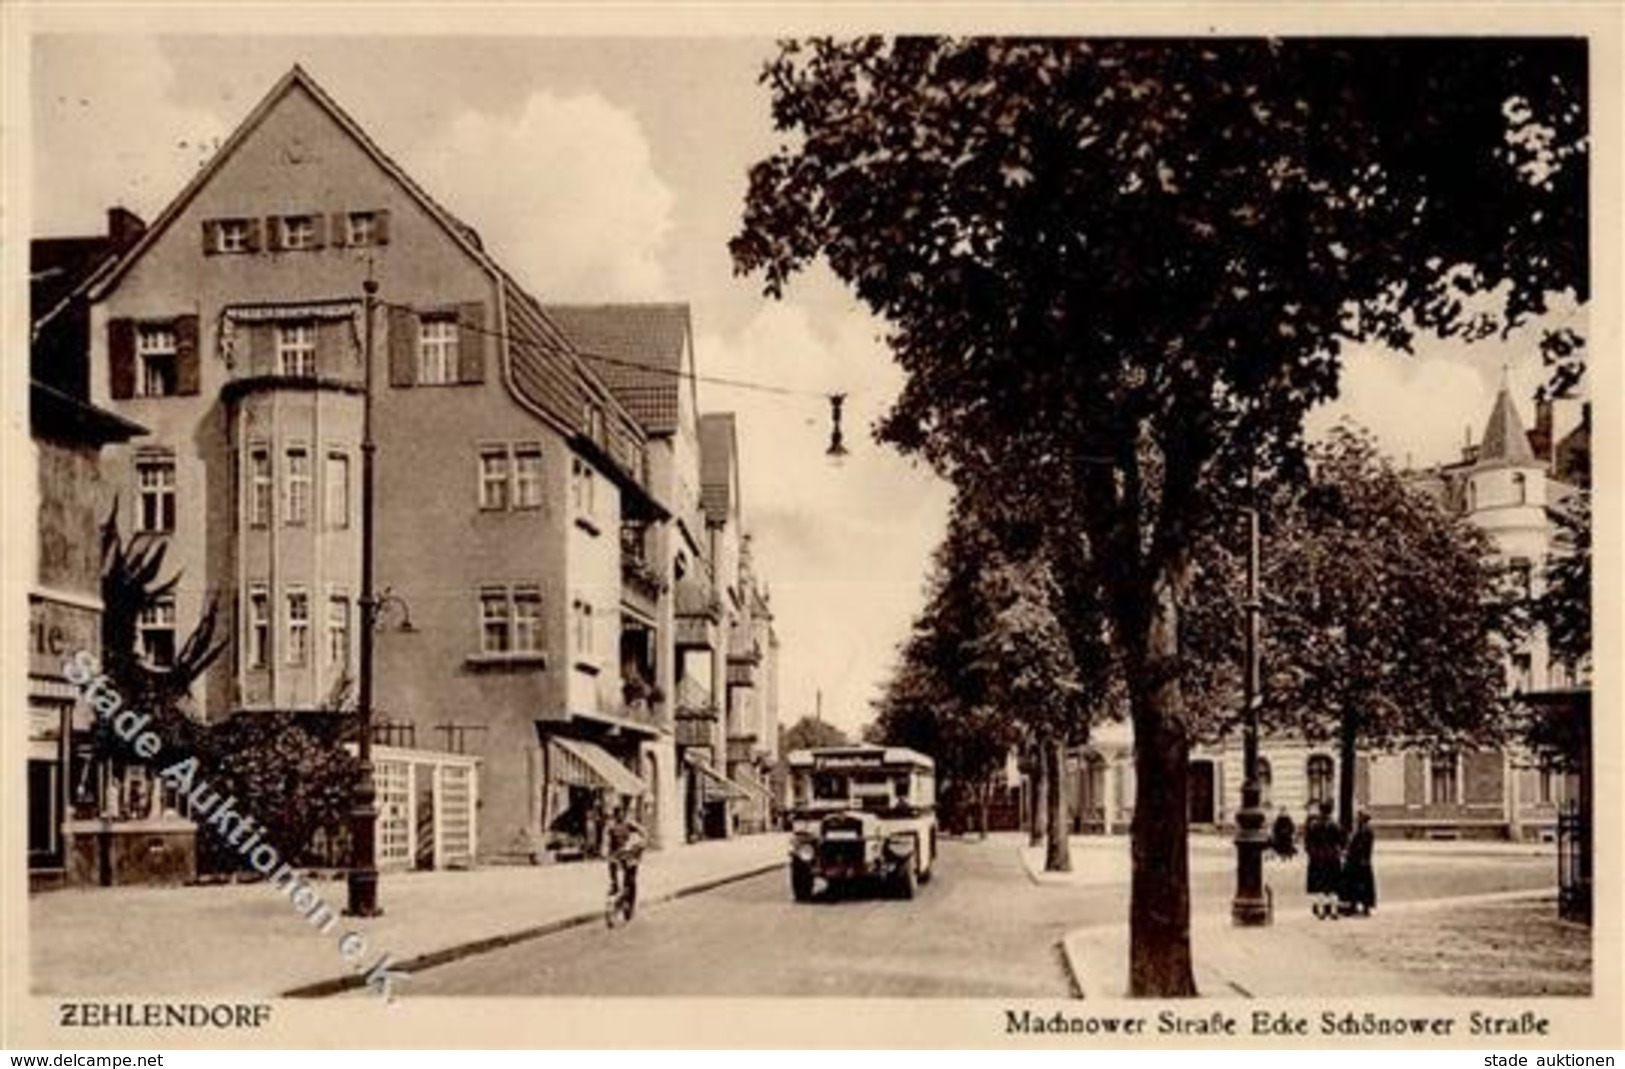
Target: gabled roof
[637, 350]
[1505, 442]
[719, 460]
[547, 375]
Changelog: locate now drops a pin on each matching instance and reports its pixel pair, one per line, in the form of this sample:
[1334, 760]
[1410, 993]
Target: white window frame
[1312, 762]
[296, 349]
[297, 232]
[495, 472]
[526, 636]
[157, 618]
[231, 235]
[298, 620]
[261, 486]
[157, 358]
[338, 631]
[336, 489]
[158, 496]
[527, 485]
[298, 486]
[437, 350]
[498, 623]
[1437, 763]
[361, 228]
[585, 646]
[258, 649]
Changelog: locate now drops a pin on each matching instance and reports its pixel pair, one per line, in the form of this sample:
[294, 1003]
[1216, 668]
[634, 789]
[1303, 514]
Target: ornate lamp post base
[1250, 908]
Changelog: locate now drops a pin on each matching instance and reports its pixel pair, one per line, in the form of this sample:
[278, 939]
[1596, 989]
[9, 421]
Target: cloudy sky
[614, 169]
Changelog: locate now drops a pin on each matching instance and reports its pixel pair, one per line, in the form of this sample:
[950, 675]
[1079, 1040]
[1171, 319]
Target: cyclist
[624, 839]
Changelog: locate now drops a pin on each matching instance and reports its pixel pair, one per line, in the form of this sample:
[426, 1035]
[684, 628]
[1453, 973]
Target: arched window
[1520, 487]
[1319, 771]
[1265, 778]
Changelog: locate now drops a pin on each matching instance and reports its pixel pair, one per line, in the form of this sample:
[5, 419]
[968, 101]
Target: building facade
[507, 475]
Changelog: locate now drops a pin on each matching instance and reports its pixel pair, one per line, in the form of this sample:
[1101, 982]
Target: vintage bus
[861, 813]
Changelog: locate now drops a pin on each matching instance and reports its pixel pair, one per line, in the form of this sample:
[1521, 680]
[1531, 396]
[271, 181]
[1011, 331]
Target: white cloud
[1424, 406]
[106, 132]
[564, 193]
[845, 547]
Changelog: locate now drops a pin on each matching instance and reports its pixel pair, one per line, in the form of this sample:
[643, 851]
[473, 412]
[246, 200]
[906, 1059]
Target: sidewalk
[1104, 859]
[1295, 957]
[248, 940]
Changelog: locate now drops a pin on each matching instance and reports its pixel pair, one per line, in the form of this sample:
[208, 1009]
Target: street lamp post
[1250, 908]
[362, 882]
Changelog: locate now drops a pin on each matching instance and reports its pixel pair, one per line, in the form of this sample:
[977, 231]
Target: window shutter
[380, 227]
[403, 347]
[471, 342]
[338, 229]
[273, 235]
[253, 243]
[262, 349]
[187, 371]
[318, 231]
[211, 237]
[121, 358]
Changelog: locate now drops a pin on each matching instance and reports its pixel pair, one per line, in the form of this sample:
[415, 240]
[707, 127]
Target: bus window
[827, 786]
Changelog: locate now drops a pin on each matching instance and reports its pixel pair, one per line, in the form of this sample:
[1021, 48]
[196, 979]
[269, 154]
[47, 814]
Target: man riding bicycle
[624, 840]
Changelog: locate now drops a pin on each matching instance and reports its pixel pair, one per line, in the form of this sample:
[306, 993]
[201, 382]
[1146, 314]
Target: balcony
[642, 578]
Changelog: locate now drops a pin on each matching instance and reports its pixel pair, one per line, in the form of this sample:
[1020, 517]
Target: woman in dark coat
[1323, 842]
[1283, 836]
[1359, 890]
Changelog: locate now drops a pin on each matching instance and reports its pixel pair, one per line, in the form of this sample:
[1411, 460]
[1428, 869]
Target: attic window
[298, 232]
[231, 235]
[361, 228]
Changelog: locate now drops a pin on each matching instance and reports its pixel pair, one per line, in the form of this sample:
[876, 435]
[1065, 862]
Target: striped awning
[583, 764]
[716, 786]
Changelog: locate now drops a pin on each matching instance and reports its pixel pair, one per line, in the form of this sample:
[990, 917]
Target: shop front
[584, 783]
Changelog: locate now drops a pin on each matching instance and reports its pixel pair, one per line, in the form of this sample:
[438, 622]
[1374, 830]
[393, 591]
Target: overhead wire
[615, 361]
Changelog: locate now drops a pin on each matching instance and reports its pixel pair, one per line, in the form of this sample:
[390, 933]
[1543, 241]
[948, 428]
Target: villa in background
[1505, 484]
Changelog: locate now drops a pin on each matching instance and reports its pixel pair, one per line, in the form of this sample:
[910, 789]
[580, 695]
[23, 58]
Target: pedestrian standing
[1359, 891]
[1283, 836]
[1323, 842]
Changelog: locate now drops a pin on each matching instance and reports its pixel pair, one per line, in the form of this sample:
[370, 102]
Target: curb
[424, 962]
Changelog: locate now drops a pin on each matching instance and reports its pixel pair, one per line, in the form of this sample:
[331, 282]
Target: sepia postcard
[763, 526]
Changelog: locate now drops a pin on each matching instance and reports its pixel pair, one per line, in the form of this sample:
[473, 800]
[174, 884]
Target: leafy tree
[287, 771]
[131, 584]
[1136, 262]
[1386, 621]
[808, 733]
[1564, 607]
[934, 702]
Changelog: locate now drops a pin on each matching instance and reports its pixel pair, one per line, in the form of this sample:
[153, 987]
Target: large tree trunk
[1058, 854]
[1040, 797]
[982, 799]
[1159, 915]
[1347, 736]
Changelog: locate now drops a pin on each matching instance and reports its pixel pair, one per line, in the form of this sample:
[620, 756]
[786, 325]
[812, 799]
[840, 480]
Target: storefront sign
[56, 631]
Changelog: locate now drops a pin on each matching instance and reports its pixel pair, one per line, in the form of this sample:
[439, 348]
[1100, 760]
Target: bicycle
[622, 900]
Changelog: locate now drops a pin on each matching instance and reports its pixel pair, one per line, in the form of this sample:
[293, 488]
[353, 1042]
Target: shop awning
[584, 764]
[717, 787]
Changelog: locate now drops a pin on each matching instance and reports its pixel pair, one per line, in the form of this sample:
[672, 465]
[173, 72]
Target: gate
[1574, 863]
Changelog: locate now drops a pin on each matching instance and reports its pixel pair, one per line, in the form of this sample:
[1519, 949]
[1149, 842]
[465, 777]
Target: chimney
[1541, 437]
[1469, 448]
[124, 227]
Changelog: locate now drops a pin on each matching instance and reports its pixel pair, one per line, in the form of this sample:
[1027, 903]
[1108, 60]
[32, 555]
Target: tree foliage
[808, 734]
[1134, 263]
[287, 771]
[1564, 607]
